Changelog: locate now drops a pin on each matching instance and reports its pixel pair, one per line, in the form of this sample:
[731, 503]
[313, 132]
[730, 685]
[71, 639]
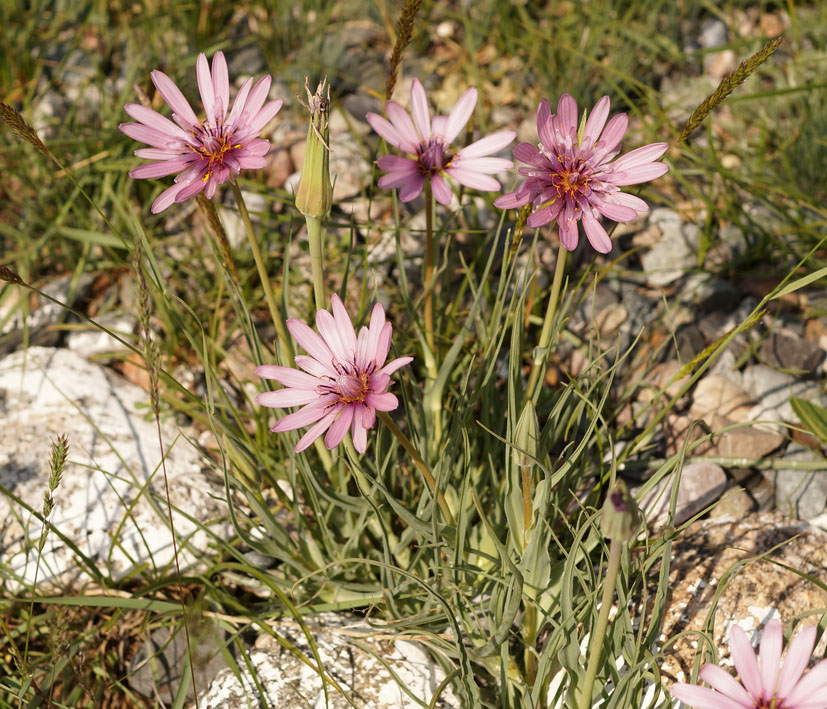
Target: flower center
[432, 158]
[352, 389]
[214, 142]
[572, 183]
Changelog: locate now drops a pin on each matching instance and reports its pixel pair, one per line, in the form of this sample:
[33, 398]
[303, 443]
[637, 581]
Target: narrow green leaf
[813, 416]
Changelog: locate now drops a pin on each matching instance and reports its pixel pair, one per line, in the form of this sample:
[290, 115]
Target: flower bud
[621, 518]
[315, 193]
[526, 437]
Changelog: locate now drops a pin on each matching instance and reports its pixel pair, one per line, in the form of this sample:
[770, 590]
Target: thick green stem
[315, 233]
[541, 351]
[599, 631]
[275, 313]
[420, 463]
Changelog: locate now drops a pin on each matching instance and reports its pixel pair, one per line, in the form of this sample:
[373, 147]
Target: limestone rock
[723, 550]
[109, 503]
[364, 675]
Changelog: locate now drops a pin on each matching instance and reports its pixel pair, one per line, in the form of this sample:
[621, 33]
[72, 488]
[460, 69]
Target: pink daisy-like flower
[204, 153]
[765, 683]
[344, 380]
[429, 141]
[571, 178]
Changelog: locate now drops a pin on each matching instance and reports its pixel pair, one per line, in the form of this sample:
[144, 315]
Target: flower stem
[599, 631]
[429, 267]
[275, 313]
[541, 351]
[315, 233]
[421, 464]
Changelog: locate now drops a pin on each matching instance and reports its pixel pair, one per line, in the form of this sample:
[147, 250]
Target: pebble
[801, 493]
[700, 485]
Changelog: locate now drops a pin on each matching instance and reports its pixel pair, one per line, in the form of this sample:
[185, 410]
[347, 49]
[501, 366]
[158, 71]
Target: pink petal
[286, 397]
[595, 232]
[174, 98]
[460, 114]
[745, 662]
[473, 179]
[528, 153]
[256, 99]
[311, 342]
[488, 145]
[155, 120]
[640, 156]
[158, 169]
[419, 109]
[252, 162]
[357, 430]
[484, 165]
[639, 173]
[205, 87]
[265, 115]
[383, 344]
[397, 179]
[303, 417]
[545, 215]
[391, 133]
[394, 163]
[395, 364]
[347, 334]
[312, 366]
[567, 229]
[798, 657]
[221, 83]
[287, 376]
[190, 190]
[511, 201]
[615, 130]
[772, 641]
[628, 200]
[596, 120]
[315, 431]
[703, 698]
[442, 193]
[377, 323]
[616, 212]
[240, 102]
[162, 153]
[384, 401]
[726, 684]
[804, 694]
[338, 429]
[404, 126]
[412, 188]
[167, 197]
[326, 325]
[567, 113]
[150, 136]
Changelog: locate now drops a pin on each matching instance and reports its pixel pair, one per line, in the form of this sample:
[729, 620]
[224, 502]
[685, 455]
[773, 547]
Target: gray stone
[786, 350]
[359, 662]
[801, 493]
[724, 367]
[91, 341]
[700, 485]
[109, 503]
[674, 254]
[713, 34]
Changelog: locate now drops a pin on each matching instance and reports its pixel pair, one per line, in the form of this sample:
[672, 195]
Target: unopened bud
[526, 437]
[621, 518]
[315, 194]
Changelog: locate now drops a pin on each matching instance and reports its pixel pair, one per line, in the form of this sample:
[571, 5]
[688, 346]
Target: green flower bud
[621, 518]
[526, 437]
[315, 193]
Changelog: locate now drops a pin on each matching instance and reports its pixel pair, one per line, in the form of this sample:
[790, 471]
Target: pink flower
[429, 141]
[344, 380]
[765, 684]
[205, 153]
[571, 176]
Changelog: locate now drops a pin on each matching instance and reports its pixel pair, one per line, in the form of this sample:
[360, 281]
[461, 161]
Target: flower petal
[510, 200]
[358, 433]
[382, 401]
[265, 115]
[460, 114]
[315, 431]
[726, 684]
[595, 232]
[155, 120]
[392, 133]
[174, 98]
[286, 397]
[395, 364]
[567, 114]
[412, 188]
[703, 697]
[303, 417]
[798, 657]
[205, 86]
[287, 376]
[314, 345]
[442, 193]
[158, 169]
[745, 662]
[221, 84]
[338, 429]
[490, 144]
[419, 110]
[596, 121]
[240, 102]
[347, 334]
[473, 179]
[167, 197]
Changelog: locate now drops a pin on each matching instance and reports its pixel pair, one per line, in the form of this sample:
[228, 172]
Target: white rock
[103, 504]
[287, 681]
[92, 341]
